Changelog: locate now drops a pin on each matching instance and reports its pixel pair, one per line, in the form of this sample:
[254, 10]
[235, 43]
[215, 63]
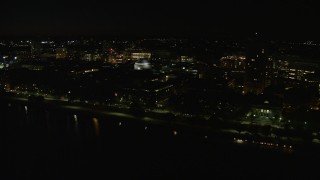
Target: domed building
[142, 65]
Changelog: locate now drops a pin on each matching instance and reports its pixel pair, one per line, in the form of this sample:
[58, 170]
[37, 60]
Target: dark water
[50, 143]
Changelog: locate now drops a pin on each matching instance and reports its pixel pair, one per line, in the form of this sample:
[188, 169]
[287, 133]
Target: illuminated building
[266, 111]
[91, 57]
[300, 71]
[186, 59]
[86, 57]
[115, 58]
[96, 56]
[44, 50]
[272, 113]
[61, 53]
[233, 62]
[136, 55]
[142, 65]
[142, 55]
[258, 67]
[234, 71]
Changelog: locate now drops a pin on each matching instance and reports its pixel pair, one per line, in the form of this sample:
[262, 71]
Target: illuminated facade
[258, 67]
[142, 55]
[91, 57]
[186, 59]
[272, 113]
[61, 53]
[136, 55]
[233, 63]
[142, 65]
[300, 71]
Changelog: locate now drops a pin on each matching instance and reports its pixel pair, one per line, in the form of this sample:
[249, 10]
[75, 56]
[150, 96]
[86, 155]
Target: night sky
[227, 18]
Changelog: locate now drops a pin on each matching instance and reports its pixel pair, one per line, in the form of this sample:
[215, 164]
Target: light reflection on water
[96, 126]
[62, 149]
[76, 125]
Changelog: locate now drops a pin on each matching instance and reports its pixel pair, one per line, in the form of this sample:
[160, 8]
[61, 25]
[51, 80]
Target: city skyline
[72, 108]
[97, 89]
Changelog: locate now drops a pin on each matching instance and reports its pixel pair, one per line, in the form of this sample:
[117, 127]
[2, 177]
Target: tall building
[234, 70]
[258, 67]
[61, 53]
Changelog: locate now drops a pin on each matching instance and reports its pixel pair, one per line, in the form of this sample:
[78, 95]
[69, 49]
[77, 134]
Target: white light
[96, 126]
[239, 141]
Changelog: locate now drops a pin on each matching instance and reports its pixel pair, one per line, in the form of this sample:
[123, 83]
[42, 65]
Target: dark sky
[285, 19]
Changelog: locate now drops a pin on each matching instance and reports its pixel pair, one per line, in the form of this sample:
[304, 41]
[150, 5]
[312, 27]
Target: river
[56, 143]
